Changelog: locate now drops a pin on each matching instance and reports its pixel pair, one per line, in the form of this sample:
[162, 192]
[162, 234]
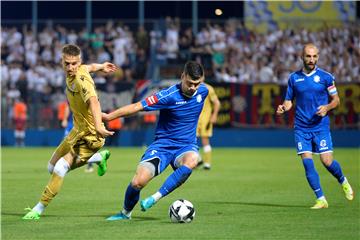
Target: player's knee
[61, 167]
[327, 161]
[138, 184]
[207, 148]
[191, 162]
[50, 167]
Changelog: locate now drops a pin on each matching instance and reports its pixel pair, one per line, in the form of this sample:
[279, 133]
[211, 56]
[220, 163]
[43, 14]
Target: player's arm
[105, 67]
[216, 109]
[95, 109]
[124, 111]
[335, 101]
[286, 106]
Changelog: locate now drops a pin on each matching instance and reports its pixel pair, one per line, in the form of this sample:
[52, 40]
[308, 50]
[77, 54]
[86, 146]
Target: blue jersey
[178, 114]
[310, 91]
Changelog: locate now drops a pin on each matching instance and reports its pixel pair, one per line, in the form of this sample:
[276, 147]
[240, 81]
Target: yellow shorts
[204, 129]
[83, 144]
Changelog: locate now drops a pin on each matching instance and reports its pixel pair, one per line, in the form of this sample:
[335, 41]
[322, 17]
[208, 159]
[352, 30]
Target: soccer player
[311, 87]
[175, 138]
[87, 135]
[20, 116]
[207, 118]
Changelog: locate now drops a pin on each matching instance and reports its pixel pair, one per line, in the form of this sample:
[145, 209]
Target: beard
[309, 66]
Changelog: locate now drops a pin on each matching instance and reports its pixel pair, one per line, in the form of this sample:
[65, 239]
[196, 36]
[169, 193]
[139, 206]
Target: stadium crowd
[31, 67]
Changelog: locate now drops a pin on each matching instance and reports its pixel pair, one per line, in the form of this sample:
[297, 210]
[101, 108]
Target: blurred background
[248, 50]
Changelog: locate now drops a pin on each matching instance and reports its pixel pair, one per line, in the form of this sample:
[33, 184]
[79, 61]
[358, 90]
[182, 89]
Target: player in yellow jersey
[207, 118]
[87, 135]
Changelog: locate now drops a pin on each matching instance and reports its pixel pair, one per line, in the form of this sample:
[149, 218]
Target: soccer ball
[181, 211]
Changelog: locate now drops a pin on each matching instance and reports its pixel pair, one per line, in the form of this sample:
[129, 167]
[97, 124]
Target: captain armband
[332, 90]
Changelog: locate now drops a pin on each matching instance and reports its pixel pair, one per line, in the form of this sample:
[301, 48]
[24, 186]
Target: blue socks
[131, 198]
[177, 178]
[312, 176]
[335, 170]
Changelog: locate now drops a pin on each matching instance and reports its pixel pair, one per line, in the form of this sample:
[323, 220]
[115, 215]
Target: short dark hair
[71, 49]
[194, 70]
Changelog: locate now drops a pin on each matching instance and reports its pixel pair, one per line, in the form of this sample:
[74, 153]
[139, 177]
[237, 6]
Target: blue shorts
[313, 142]
[161, 155]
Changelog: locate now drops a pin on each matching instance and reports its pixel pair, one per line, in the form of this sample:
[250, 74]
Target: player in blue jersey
[175, 141]
[311, 87]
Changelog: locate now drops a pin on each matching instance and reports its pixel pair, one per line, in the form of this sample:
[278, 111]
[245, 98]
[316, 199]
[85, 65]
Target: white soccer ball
[182, 211]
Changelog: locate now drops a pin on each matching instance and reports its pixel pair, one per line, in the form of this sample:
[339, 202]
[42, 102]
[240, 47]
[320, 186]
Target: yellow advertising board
[263, 16]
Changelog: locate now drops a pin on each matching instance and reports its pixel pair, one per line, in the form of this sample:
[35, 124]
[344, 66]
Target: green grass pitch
[253, 193]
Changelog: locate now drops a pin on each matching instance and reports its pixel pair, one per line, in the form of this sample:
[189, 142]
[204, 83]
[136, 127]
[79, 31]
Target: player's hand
[322, 111]
[109, 67]
[280, 110]
[105, 117]
[213, 119]
[103, 132]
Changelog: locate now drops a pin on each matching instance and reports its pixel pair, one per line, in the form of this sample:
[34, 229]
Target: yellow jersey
[79, 89]
[208, 106]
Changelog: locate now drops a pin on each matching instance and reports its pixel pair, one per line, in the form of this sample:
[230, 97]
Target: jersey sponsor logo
[151, 100]
[300, 80]
[181, 102]
[316, 78]
[198, 98]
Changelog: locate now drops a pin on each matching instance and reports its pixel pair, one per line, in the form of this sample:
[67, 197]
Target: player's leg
[151, 165]
[60, 169]
[325, 142]
[100, 158]
[144, 173]
[207, 152]
[17, 137]
[184, 164]
[22, 138]
[89, 168]
[199, 133]
[91, 154]
[314, 181]
[304, 149]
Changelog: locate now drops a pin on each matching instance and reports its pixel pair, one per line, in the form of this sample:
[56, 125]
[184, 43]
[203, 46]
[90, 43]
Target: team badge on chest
[316, 78]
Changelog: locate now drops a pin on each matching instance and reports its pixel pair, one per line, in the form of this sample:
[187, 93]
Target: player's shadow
[257, 204]
[13, 214]
[138, 219]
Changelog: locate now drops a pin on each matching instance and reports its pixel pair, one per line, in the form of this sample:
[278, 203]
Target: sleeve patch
[152, 100]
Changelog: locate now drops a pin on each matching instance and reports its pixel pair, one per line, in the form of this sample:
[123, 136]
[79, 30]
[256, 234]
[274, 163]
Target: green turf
[248, 194]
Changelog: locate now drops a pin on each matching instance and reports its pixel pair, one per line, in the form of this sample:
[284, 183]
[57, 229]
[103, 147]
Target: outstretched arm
[286, 106]
[95, 108]
[124, 111]
[105, 67]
